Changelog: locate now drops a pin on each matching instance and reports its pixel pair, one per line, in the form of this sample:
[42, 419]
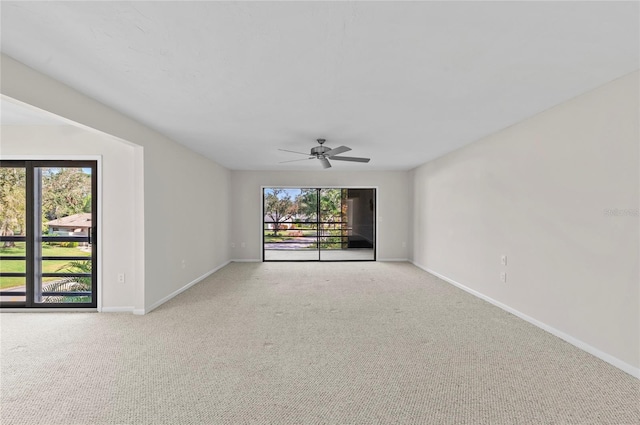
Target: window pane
[12, 231]
[63, 259]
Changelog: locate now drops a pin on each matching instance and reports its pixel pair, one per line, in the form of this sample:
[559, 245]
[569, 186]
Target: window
[319, 224]
[48, 229]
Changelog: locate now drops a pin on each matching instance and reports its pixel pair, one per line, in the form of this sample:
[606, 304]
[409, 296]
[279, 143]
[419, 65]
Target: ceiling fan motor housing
[319, 150]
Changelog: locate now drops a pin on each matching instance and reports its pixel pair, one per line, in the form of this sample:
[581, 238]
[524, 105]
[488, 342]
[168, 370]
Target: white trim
[139, 232]
[614, 361]
[390, 260]
[99, 257]
[126, 309]
[178, 291]
[248, 260]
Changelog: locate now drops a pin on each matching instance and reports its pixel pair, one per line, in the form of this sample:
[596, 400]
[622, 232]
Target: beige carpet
[305, 343]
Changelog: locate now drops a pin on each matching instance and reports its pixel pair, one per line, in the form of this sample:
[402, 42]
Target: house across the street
[71, 225]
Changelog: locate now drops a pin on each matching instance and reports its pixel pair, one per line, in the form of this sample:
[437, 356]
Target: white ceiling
[402, 83]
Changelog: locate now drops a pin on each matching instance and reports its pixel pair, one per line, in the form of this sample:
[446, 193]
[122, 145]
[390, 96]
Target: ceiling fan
[324, 154]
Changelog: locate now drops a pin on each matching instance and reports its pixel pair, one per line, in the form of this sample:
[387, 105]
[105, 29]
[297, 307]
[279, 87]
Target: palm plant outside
[72, 284]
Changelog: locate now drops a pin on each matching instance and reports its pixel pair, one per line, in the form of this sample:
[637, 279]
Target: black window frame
[318, 218]
[29, 237]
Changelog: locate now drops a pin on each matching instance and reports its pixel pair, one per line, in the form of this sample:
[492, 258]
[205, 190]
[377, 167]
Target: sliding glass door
[47, 233]
[319, 224]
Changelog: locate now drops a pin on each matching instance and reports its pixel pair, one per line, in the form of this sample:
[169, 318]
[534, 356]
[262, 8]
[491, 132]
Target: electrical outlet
[242, 245]
[503, 260]
[503, 277]
[233, 244]
[121, 278]
[184, 263]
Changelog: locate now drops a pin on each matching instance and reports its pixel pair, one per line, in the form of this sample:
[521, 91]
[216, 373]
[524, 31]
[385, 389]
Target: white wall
[187, 218]
[117, 250]
[185, 195]
[540, 192]
[393, 206]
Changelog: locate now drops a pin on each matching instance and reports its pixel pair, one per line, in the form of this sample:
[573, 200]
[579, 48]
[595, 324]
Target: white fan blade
[294, 160]
[351, 158]
[336, 151]
[325, 162]
[285, 150]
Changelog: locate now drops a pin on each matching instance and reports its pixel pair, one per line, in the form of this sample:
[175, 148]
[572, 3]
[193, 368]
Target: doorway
[319, 224]
[48, 229]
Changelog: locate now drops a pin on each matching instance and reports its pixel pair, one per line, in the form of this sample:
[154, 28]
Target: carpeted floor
[305, 343]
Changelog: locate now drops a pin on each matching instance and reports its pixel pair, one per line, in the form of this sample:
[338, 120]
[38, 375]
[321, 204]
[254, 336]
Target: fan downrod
[319, 151]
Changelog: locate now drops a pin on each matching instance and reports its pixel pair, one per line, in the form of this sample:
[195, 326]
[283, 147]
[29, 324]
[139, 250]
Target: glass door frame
[319, 250]
[32, 237]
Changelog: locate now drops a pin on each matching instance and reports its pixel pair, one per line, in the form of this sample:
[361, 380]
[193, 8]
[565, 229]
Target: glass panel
[289, 228]
[347, 220]
[13, 230]
[63, 260]
[333, 223]
[362, 213]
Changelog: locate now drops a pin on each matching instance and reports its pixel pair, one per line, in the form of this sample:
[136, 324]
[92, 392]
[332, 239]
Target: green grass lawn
[49, 266]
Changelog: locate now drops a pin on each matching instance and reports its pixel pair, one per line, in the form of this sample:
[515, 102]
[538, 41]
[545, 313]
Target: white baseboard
[378, 259]
[125, 309]
[614, 361]
[399, 260]
[178, 291]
